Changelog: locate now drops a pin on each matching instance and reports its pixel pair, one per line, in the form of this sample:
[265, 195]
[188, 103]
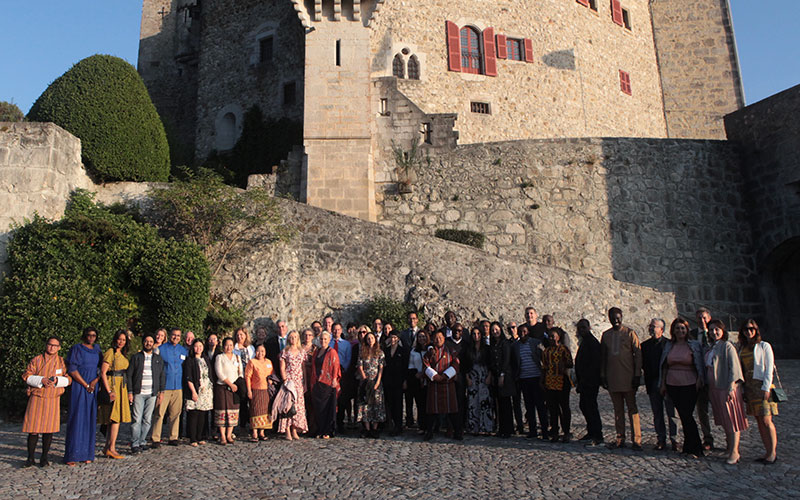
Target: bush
[223, 318]
[463, 236]
[389, 310]
[93, 267]
[103, 101]
[10, 112]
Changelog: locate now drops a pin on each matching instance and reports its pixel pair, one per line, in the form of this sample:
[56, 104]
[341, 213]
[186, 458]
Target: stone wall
[40, 164]
[655, 212]
[571, 89]
[699, 66]
[768, 135]
[335, 263]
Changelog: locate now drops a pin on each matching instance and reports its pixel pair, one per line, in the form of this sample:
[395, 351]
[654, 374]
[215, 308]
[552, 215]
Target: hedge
[103, 101]
[93, 267]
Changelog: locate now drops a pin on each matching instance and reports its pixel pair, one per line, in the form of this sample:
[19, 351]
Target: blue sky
[41, 39]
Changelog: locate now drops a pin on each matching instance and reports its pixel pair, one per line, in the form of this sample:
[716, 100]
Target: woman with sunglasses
[758, 365]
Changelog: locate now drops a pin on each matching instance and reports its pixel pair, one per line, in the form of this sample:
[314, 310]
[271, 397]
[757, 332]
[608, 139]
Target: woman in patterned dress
[293, 360]
[46, 377]
[256, 376]
[197, 391]
[556, 362]
[114, 377]
[228, 369]
[371, 410]
[480, 409]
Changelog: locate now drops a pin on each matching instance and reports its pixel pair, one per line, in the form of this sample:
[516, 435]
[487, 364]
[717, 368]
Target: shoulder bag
[777, 393]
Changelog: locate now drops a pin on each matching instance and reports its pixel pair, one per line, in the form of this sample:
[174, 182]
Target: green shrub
[222, 317]
[93, 267]
[390, 311]
[10, 112]
[103, 101]
[471, 238]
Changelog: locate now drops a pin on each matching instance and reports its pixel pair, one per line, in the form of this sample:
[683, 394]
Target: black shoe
[674, 445]
[460, 437]
[595, 442]
[44, 462]
[554, 438]
[660, 446]
[636, 447]
[155, 445]
[135, 450]
[144, 447]
[616, 445]
[586, 437]
[428, 436]
[29, 462]
[531, 435]
[544, 437]
[173, 442]
[566, 438]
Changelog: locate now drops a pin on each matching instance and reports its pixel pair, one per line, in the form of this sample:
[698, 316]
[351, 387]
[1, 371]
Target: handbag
[778, 395]
[103, 397]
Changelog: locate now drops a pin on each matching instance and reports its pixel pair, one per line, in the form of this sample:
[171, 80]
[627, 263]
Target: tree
[10, 112]
[217, 217]
[103, 101]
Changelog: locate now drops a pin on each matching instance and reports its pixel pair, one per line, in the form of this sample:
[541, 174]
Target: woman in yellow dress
[113, 375]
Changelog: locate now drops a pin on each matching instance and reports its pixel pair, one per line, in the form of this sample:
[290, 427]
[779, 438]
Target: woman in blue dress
[83, 361]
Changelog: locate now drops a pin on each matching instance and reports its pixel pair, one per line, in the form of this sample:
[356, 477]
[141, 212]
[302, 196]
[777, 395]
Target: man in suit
[407, 338]
[700, 334]
[275, 345]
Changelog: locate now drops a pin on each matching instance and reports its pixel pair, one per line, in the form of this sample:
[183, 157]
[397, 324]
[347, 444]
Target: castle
[360, 74]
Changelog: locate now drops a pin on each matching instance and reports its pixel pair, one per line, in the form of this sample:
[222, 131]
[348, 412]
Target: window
[413, 68]
[383, 110]
[338, 52]
[470, 51]
[426, 130]
[626, 19]
[514, 49]
[592, 4]
[289, 93]
[480, 107]
[226, 132]
[399, 66]
[265, 49]
[625, 82]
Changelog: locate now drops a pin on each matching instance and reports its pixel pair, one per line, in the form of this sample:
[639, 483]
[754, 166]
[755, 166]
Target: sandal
[253, 440]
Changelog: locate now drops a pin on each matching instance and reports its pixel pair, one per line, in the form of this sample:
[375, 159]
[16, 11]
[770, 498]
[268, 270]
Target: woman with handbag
[758, 365]
[724, 376]
[228, 368]
[292, 361]
[114, 406]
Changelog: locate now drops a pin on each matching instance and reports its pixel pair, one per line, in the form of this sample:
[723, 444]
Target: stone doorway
[780, 290]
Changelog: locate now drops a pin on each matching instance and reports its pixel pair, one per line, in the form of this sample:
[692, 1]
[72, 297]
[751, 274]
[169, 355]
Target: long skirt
[480, 407]
[728, 414]
[43, 415]
[226, 412]
[324, 405]
[81, 425]
[259, 410]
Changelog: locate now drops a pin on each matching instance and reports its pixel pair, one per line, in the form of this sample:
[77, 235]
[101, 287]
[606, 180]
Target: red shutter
[502, 49]
[625, 82]
[616, 12]
[453, 47]
[528, 50]
[585, 3]
[489, 53]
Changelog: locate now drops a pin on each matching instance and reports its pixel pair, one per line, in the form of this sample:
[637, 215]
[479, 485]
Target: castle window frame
[515, 49]
[413, 67]
[591, 4]
[266, 49]
[625, 82]
[471, 50]
[626, 19]
[398, 66]
[480, 107]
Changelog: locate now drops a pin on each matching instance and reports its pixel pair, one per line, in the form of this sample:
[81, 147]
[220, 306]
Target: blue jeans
[143, 406]
[660, 403]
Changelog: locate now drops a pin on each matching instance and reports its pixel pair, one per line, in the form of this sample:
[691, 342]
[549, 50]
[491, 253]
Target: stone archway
[780, 291]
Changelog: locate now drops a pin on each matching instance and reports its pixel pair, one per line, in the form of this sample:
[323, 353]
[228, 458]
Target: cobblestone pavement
[406, 467]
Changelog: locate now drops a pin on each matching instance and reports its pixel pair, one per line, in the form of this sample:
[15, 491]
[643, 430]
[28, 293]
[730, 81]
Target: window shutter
[453, 47]
[585, 3]
[489, 53]
[616, 12]
[502, 50]
[625, 82]
[528, 50]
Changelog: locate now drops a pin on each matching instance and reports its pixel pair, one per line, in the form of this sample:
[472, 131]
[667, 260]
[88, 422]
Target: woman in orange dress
[46, 377]
[256, 376]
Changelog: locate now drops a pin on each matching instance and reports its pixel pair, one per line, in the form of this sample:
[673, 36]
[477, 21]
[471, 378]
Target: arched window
[399, 66]
[226, 132]
[471, 56]
[413, 68]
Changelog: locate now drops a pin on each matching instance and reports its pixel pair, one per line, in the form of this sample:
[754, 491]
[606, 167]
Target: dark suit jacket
[273, 352]
[136, 369]
[587, 363]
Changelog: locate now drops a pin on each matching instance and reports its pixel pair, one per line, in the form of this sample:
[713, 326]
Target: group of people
[460, 379]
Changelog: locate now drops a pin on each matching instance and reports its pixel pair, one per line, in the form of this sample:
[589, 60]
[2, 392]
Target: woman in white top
[228, 368]
[758, 364]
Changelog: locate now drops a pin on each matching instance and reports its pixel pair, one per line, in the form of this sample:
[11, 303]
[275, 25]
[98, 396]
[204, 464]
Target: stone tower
[698, 64]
